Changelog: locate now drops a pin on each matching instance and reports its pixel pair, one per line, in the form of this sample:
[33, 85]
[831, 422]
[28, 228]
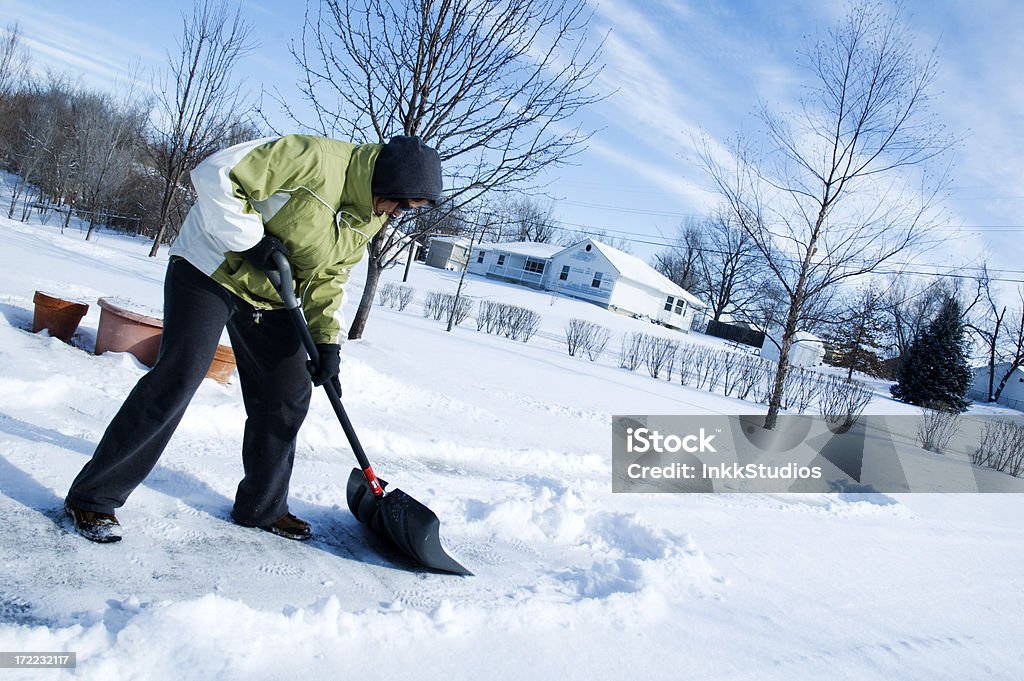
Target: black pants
[275, 389]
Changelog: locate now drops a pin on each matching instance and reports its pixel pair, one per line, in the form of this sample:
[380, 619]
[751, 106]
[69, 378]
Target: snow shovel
[395, 515]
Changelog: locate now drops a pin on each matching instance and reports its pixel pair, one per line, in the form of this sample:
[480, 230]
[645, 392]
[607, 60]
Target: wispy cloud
[99, 56]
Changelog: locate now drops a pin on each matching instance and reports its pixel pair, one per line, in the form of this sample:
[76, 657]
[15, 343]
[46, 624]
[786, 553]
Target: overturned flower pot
[128, 330]
[223, 364]
[58, 316]
[123, 329]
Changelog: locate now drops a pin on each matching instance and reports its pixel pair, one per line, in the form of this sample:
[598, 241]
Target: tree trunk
[19, 185]
[992, 367]
[1002, 383]
[796, 305]
[373, 272]
[165, 215]
[788, 335]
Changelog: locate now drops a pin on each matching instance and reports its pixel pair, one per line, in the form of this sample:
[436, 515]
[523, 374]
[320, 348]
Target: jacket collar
[357, 195]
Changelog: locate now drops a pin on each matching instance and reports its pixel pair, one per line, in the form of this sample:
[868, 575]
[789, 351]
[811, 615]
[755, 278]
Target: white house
[520, 262]
[448, 253]
[1013, 392]
[591, 271]
[807, 350]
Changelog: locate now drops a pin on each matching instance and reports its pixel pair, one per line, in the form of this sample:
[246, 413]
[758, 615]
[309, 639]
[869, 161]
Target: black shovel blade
[410, 525]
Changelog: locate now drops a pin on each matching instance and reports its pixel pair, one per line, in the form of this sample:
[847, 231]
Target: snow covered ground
[510, 444]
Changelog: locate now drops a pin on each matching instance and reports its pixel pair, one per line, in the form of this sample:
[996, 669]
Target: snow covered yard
[510, 444]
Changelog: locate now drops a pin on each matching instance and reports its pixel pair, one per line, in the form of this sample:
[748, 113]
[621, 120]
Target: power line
[633, 210]
[953, 272]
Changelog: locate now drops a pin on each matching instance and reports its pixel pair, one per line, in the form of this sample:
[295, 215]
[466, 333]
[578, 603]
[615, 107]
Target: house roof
[1001, 367]
[457, 240]
[528, 248]
[801, 336]
[632, 267]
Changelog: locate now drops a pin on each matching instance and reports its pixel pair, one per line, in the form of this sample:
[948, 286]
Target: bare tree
[568, 237]
[106, 138]
[41, 149]
[731, 272]
[911, 308]
[527, 219]
[833, 196]
[680, 262]
[199, 101]
[14, 65]
[987, 324]
[14, 61]
[494, 86]
[1015, 346]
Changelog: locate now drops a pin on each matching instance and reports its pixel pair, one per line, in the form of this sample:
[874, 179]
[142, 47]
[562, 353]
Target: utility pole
[478, 225]
[408, 260]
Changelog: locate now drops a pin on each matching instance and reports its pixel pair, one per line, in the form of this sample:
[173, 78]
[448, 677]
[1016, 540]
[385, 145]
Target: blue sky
[677, 68]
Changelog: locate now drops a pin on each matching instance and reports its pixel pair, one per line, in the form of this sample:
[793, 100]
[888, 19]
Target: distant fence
[737, 334]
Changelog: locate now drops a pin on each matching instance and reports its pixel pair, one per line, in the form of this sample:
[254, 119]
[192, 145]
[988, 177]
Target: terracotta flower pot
[60, 317]
[125, 330]
[223, 364]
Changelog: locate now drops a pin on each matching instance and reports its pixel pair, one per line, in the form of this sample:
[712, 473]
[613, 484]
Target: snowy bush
[842, 402]
[801, 388]
[440, 306]
[403, 296]
[385, 294]
[684, 357]
[631, 350]
[577, 335]
[434, 305]
[1002, 447]
[395, 295]
[659, 354]
[741, 373]
[525, 323]
[463, 308]
[703, 365]
[729, 365]
[936, 428]
[487, 316]
[599, 341]
[752, 372]
[586, 337]
[510, 321]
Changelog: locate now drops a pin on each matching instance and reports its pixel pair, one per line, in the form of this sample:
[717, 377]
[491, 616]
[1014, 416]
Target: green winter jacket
[313, 193]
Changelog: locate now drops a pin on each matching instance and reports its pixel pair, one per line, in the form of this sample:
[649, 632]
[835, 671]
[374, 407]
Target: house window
[535, 266]
[480, 256]
[501, 260]
[679, 306]
[597, 279]
[565, 273]
[668, 304]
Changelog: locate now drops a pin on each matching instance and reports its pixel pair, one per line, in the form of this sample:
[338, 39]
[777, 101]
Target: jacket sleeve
[323, 295]
[322, 286]
[230, 221]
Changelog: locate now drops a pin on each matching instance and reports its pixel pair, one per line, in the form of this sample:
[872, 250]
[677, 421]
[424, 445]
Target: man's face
[393, 208]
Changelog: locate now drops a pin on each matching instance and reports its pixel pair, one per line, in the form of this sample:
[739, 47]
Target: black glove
[261, 256]
[329, 366]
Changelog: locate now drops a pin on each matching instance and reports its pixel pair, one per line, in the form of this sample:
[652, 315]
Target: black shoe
[287, 526]
[101, 528]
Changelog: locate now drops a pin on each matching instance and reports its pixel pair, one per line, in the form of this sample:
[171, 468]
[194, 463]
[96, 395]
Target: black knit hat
[407, 169]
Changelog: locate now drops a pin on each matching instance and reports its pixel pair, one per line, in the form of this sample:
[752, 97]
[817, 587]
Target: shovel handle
[281, 279]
